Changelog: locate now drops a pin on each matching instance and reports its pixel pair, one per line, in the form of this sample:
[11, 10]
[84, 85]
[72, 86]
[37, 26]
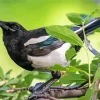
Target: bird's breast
[57, 56]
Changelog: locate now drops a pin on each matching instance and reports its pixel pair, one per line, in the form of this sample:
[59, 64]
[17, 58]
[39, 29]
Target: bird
[37, 50]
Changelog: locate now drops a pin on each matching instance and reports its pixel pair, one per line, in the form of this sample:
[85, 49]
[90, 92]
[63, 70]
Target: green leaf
[97, 75]
[89, 93]
[75, 18]
[58, 83]
[96, 66]
[64, 34]
[1, 73]
[28, 79]
[5, 94]
[58, 68]
[70, 53]
[79, 18]
[97, 30]
[71, 77]
[21, 96]
[23, 74]
[86, 18]
[74, 69]
[75, 62]
[42, 76]
[93, 66]
[97, 56]
[7, 75]
[13, 81]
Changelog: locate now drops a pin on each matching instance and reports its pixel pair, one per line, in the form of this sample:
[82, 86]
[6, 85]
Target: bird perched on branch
[37, 50]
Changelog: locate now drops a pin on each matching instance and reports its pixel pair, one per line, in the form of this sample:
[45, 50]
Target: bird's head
[11, 27]
[13, 33]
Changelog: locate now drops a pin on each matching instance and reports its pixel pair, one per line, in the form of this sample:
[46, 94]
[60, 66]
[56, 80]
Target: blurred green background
[38, 13]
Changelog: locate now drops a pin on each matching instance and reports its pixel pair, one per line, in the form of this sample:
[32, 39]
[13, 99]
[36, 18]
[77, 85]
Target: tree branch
[60, 92]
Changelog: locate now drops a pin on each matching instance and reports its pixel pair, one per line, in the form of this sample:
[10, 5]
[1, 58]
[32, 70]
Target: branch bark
[60, 93]
[56, 94]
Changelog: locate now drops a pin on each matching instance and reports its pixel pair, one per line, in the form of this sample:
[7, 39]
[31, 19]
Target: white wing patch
[55, 57]
[36, 40]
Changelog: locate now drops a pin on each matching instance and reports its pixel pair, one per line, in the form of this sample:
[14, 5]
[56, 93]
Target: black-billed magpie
[37, 50]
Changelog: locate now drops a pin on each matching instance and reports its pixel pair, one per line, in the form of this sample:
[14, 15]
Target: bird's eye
[14, 27]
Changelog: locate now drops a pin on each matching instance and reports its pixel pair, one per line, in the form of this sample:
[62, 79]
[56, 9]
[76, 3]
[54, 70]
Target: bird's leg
[43, 87]
[55, 76]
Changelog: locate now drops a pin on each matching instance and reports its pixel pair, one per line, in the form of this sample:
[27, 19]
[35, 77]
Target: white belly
[55, 57]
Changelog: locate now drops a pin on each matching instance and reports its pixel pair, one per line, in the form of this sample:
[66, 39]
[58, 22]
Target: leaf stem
[92, 13]
[85, 47]
[85, 39]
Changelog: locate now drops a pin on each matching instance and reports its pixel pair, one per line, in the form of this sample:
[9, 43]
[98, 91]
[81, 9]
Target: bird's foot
[56, 74]
[41, 88]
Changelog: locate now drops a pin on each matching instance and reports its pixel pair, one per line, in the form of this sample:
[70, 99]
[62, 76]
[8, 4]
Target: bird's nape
[89, 27]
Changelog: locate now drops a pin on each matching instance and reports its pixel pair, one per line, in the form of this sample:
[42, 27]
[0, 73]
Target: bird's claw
[33, 89]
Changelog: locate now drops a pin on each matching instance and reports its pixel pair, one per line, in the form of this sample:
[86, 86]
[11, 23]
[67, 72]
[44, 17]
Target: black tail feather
[89, 27]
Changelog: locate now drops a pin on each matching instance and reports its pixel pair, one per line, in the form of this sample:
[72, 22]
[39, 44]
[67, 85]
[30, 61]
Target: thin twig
[96, 90]
[17, 89]
[86, 50]
[96, 87]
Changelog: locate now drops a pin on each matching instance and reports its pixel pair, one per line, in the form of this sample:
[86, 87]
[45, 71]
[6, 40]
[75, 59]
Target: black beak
[4, 26]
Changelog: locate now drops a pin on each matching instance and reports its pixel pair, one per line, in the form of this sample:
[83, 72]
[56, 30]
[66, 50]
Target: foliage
[24, 79]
